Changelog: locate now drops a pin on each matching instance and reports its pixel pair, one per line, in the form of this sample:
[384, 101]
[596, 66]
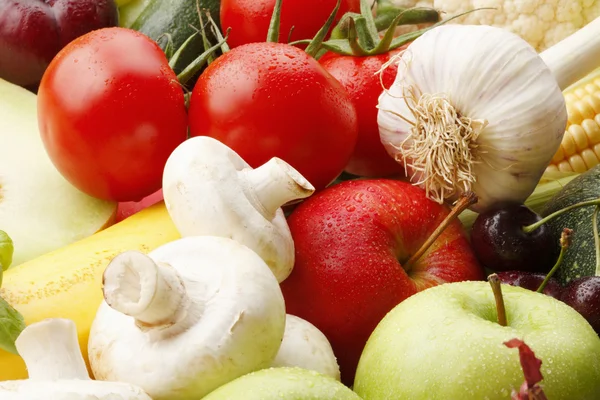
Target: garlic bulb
[475, 108]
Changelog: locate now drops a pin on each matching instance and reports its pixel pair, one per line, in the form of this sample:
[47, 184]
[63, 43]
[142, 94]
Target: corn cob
[580, 147]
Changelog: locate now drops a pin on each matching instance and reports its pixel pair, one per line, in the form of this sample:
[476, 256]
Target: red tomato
[110, 112]
[249, 19]
[359, 76]
[267, 100]
[127, 209]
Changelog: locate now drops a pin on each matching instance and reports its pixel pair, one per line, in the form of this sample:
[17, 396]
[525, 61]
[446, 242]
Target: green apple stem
[534, 226]
[465, 201]
[565, 242]
[497, 289]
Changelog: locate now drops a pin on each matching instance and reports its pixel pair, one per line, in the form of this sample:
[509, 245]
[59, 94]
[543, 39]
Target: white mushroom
[56, 368]
[187, 318]
[305, 346]
[210, 190]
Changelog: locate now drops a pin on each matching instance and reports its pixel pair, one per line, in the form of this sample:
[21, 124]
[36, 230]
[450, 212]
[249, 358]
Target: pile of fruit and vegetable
[299, 199]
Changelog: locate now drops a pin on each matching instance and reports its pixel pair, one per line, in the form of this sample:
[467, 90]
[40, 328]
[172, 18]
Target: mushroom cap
[71, 389]
[205, 194]
[236, 328]
[305, 346]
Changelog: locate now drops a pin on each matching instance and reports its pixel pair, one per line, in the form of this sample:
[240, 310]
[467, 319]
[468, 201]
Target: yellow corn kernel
[589, 158]
[577, 164]
[564, 166]
[579, 137]
[568, 144]
[580, 146]
[592, 130]
[558, 156]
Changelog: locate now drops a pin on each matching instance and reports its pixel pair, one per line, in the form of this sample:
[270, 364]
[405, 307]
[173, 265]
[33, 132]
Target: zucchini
[177, 18]
[580, 257]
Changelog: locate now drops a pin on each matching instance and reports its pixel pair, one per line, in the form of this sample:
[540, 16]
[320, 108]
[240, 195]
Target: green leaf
[11, 326]
[7, 249]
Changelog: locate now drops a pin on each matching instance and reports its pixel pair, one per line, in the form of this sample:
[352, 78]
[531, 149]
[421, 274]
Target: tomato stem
[205, 42]
[184, 76]
[174, 58]
[317, 42]
[275, 24]
[387, 13]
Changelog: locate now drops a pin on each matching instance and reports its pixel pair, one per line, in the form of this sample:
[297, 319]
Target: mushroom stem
[151, 293]
[274, 184]
[51, 350]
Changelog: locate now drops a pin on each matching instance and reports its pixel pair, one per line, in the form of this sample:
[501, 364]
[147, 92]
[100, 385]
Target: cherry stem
[596, 239]
[534, 226]
[497, 289]
[466, 200]
[565, 242]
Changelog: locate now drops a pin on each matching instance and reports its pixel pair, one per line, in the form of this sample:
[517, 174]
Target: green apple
[445, 343]
[39, 209]
[283, 383]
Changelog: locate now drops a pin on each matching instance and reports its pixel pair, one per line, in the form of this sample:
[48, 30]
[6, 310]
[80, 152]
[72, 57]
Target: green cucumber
[580, 257]
[177, 18]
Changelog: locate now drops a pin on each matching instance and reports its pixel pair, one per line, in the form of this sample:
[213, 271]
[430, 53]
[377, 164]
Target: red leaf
[531, 366]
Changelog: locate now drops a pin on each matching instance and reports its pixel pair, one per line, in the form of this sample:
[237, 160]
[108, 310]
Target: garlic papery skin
[210, 190]
[473, 108]
[305, 346]
[186, 318]
[56, 368]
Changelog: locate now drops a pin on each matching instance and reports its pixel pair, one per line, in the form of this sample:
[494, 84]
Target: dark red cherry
[583, 294]
[501, 244]
[531, 281]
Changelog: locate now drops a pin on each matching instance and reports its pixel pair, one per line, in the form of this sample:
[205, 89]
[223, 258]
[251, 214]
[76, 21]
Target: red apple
[33, 31]
[352, 243]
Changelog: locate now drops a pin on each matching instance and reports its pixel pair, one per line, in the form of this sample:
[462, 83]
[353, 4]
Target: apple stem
[565, 241]
[465, 201]
[497, 289]
[534, 226]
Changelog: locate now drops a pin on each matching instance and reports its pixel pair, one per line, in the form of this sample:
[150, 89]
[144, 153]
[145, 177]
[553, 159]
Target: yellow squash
[67, 282]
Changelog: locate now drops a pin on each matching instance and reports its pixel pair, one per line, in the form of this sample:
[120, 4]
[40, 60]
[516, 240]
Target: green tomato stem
[315, 44]
[565, 242]
[534, 226]
[184, 76]
[275, 24]
[412, 16]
